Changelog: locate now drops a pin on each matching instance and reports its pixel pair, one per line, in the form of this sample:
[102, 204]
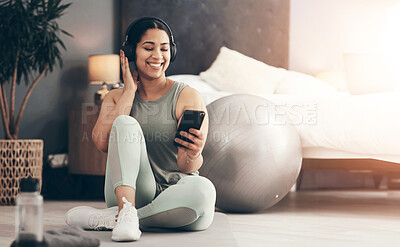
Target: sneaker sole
[126, 237]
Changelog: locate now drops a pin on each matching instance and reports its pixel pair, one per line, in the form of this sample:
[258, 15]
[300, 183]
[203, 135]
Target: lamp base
[117, 85]
[101, 94]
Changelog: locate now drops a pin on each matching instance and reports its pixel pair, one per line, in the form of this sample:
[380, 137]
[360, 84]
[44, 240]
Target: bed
[249, 40]
[337, 125]
[359, 132]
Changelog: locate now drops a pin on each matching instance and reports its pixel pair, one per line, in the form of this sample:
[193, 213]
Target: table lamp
[104, 70]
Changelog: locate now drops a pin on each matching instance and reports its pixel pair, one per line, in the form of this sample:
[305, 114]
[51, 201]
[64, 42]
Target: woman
[148, 179]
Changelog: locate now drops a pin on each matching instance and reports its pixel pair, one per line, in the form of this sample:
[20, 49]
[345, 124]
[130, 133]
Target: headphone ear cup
[173, 52]
[129, 52]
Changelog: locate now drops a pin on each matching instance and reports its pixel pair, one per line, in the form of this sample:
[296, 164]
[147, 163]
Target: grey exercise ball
[252, 153]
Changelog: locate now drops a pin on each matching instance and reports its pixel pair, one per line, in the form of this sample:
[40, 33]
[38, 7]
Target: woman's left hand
[194, 149]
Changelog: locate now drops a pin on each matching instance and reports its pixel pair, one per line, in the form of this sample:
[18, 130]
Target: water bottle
[29, 224]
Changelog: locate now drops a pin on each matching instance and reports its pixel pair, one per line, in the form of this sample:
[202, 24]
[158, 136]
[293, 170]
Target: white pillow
[236, 73]
[334, 78]
[193, 81]
[296, 83]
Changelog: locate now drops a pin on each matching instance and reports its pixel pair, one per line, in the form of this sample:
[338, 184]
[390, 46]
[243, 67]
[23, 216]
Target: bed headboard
[256, 28]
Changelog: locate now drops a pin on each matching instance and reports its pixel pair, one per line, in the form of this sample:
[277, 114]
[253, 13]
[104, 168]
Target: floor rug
[218, 234]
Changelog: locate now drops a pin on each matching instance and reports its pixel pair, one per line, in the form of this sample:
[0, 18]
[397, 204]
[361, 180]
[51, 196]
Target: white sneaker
[91, 218]
[127, 227]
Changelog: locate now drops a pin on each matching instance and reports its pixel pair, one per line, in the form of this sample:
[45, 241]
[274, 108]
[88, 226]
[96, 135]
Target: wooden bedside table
[84, 157]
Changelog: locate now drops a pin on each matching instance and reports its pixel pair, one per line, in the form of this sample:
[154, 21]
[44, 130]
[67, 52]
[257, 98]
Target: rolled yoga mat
[252, 153]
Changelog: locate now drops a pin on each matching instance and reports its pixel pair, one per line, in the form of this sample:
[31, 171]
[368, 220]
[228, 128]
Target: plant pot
[18, 159]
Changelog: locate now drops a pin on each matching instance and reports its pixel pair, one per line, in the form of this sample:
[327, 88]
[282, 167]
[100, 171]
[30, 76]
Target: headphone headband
[149, 18]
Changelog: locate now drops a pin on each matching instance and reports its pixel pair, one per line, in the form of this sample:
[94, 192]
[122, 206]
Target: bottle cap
[29, 184]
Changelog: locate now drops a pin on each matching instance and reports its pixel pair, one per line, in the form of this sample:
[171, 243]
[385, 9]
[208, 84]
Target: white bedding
[362, 124]
[365, 124]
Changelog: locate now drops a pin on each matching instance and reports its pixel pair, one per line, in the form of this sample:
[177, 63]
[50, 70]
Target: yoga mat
[219, 234]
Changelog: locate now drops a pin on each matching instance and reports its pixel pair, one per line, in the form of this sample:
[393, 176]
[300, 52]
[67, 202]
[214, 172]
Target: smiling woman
[145, 170]
[152, 58]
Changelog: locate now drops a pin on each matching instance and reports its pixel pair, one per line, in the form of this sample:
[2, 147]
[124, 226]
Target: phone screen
[190, 119]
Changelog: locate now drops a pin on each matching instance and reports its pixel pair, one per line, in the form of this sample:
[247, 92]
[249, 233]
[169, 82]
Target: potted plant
[29, 49]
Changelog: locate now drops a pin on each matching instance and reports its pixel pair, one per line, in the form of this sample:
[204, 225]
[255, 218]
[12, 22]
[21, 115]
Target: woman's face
[153, 54]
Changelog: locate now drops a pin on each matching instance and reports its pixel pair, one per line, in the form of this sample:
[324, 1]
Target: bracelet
[188, 159]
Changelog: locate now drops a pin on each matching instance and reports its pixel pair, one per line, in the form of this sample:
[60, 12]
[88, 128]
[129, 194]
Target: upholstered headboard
[256, 28]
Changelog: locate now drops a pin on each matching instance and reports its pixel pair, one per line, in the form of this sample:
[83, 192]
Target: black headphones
[129, 49]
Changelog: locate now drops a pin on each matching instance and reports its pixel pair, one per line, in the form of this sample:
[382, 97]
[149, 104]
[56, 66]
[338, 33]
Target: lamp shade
[104, 68]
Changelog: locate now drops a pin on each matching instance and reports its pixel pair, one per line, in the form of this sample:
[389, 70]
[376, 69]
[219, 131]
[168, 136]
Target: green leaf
[31, 27]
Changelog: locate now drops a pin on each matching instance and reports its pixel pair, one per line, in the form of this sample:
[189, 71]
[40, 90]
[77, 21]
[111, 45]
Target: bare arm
[117, 102]
[110, 110]
[190, 159]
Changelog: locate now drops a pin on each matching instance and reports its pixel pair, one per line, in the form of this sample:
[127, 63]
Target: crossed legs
[188, 205]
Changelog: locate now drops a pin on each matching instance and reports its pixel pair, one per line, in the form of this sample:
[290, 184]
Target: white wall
[322, 30]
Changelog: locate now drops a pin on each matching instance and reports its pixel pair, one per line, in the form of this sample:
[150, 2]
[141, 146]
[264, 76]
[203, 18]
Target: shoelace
[126, 213]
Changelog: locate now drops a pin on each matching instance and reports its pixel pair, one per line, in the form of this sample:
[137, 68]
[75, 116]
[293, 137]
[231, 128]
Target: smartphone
[190, 119]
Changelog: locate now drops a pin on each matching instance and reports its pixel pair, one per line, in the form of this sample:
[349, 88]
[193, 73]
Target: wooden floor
[324, 218]
[304, 218]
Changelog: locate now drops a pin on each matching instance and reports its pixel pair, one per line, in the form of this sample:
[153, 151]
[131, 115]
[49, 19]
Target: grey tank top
[158, 122]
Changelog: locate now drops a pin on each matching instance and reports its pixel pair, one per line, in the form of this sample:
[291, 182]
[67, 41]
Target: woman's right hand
[130, 81]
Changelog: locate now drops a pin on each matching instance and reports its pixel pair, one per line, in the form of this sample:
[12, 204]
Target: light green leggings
[187, 205]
